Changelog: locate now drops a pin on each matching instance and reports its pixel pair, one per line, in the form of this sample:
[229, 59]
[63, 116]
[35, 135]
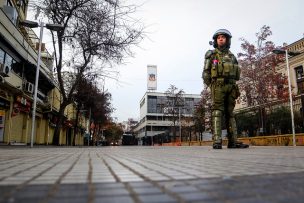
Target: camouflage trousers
[223, 96]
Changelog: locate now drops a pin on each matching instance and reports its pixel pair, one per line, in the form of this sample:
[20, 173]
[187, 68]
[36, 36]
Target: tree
[187, 124]
[101, 111]
[173, 105]
[96, 34]
[89, 98]
[260, 82]
[114, 132]
[202, 113]
[247, 122]
[279, 121]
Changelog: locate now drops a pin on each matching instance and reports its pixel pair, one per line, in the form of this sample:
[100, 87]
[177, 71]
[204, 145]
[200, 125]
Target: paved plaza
[151, 174]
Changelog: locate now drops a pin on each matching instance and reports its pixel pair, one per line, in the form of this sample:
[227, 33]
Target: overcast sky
[179, 32]
[178, 35]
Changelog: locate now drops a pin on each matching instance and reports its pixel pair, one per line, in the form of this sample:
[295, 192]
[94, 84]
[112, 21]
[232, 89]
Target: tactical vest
[224, 65]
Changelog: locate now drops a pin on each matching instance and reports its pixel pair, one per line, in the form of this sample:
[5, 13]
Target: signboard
[152, 77]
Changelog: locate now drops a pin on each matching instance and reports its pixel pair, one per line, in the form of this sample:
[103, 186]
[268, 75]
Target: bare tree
[96, 34]
[173, 105]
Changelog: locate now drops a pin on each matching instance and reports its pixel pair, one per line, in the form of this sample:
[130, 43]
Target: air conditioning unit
[4, 70]
[11, 13]
[28, 87]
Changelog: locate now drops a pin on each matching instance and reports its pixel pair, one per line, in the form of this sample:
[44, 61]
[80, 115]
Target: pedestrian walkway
[151, 174]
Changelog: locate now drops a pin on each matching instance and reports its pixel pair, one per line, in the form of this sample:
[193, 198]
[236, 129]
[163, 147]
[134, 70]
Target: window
[161, 102]
[299, 72]
[152, 101]
[2, 55]
[300, 79]
[8, 61]
[300, 87]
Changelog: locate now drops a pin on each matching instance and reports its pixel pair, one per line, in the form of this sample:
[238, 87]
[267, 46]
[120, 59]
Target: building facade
[18, 59]
[296, 64]
[157, 123]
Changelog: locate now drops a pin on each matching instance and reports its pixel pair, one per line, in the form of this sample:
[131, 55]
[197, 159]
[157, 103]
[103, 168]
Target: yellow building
[18, 59]
[296, 65]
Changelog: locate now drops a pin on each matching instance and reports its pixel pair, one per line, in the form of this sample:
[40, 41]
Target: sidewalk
[151, 174]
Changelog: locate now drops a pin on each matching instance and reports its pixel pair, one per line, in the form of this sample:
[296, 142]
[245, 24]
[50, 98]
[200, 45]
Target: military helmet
[222, 32]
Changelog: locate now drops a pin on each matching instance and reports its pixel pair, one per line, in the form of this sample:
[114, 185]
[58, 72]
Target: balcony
[17, 43]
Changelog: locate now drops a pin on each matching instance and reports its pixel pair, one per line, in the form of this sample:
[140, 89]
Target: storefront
[4, 112]
[21, 124]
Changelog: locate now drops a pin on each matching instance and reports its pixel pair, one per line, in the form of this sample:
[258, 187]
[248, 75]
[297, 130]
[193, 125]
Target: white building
[155, 120]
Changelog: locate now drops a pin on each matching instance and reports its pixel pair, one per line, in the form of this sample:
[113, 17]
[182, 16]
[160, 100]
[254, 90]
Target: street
[151, 174]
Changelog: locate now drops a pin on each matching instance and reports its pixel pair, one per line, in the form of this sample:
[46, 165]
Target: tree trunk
[76, 126]
[174, 132]
[59, 124]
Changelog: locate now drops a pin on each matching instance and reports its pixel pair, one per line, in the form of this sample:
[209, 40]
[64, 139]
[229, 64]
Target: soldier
[221, 71]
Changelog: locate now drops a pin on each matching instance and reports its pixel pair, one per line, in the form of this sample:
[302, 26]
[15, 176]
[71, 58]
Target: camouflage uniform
[221, 71]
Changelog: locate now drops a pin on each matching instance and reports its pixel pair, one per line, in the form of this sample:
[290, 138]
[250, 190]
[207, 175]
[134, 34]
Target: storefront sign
[21, 104]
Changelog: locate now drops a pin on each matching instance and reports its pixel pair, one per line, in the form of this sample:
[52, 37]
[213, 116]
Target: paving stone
[114, 199]
[155, 198]
[25, 199]
[147, 190]
[30, 194]
[194, 174]
[62, 193]
[101, 186]
[183, 189]
[140, 184]
[196, 196]
[111, 192]
[68, 200]
[6, 188]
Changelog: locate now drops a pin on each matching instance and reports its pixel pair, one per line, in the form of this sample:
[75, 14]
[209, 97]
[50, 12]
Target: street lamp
[53, 27]
[180, 125]
[152, 136]
[290, 53]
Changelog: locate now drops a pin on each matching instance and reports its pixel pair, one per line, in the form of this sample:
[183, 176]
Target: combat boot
[232, 136]
[217, 129]
[217, 146]
[237, 145]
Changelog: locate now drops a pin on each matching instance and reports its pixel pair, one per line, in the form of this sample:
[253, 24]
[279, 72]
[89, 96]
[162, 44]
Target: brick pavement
[151, 174]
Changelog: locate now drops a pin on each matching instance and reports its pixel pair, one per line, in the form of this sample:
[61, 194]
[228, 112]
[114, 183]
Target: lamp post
[286, 52]
[89, 135]
[152, 135]
[54, 27]
[180, 125]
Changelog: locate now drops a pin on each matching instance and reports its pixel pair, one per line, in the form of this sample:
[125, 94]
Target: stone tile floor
[151, 174]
